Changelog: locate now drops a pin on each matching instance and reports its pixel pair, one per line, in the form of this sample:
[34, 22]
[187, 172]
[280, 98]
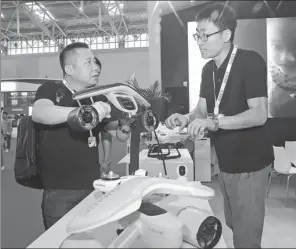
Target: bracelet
[216, 122]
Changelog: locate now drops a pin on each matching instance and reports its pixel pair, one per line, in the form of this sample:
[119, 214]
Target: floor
[21, 221]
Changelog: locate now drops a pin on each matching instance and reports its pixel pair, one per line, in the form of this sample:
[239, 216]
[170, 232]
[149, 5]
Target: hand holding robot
[103, 109]
[124, 97]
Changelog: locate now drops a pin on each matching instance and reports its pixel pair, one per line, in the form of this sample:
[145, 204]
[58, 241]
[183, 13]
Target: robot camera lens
[87, 117]
[182, 170]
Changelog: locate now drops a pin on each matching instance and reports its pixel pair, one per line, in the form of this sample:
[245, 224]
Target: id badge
[92, 142]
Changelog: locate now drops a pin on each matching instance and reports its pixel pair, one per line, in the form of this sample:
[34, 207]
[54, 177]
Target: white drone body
[106, 186]
[117, 94]
[128, 203]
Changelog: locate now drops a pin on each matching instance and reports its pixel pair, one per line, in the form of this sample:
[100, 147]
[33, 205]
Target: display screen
[281, 50]
[275, 40]
[19, 98]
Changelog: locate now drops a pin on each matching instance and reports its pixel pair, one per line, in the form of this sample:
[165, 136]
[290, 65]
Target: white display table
[155, 166]
[54, 237]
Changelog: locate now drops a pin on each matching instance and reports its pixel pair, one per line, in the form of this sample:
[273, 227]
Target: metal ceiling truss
[48, 29]
[110, 22]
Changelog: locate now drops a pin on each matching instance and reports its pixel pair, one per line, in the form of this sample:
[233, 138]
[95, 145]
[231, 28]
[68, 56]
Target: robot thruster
[150, 209]
[123, 96]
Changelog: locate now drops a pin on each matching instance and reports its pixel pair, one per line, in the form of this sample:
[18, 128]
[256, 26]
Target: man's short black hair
[68, 50]
[5, 113]
[222, 15]
[98, 62]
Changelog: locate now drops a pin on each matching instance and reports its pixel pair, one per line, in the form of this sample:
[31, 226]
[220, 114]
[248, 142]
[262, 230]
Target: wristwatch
[216, 122]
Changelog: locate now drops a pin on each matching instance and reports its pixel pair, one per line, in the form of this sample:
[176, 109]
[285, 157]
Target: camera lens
[87, 117]
[182, 170]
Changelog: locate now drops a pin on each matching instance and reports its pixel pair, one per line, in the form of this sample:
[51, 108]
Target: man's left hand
[124, 125]
[200, 125]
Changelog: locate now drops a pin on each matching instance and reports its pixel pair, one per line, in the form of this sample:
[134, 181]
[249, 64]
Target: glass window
[95, 42]
[93, 46]
[92, 40]
[29, 43]
[146, 43]
[24, 44]
[112, 38]
[99, 39]
[41, 45]
[87, 40]
[10, 44]
[15, 44]
[34, 44]
[129, 44]
[105, 45]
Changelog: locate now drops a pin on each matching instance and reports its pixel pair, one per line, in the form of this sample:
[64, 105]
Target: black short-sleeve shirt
[66, 161]
[244, 150]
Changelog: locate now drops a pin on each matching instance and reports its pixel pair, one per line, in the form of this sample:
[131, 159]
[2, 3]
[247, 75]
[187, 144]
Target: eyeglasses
[204, 37]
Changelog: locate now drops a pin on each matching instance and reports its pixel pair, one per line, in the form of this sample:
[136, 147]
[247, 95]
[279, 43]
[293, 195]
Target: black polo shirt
[66, 161]
[244, 150]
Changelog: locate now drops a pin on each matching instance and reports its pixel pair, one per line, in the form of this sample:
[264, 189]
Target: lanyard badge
[92, 142]
[223, 85]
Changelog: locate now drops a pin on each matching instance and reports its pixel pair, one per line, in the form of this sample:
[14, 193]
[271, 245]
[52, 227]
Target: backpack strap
[60, 94]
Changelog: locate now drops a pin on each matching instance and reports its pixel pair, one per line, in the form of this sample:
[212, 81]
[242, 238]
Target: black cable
[162, 156]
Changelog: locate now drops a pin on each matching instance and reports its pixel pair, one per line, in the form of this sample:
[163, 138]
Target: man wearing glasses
[233, 107]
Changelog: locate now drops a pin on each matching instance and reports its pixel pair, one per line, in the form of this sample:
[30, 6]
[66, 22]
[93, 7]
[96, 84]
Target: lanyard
[223, 85]
[91, 139]
[68, 86]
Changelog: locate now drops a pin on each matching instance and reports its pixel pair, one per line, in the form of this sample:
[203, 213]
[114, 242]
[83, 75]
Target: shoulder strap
[59, 95]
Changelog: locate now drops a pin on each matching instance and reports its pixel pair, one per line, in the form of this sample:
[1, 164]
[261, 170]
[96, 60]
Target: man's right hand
[103, 109]
[176, 119]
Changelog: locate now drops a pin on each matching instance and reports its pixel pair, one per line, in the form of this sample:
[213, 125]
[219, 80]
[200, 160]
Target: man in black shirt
[236, 121]
[68, 165]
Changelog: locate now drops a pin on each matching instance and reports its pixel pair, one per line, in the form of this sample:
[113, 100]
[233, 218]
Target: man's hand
[105, 167]
[103, 108]
[200, 125]
[176, 119]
